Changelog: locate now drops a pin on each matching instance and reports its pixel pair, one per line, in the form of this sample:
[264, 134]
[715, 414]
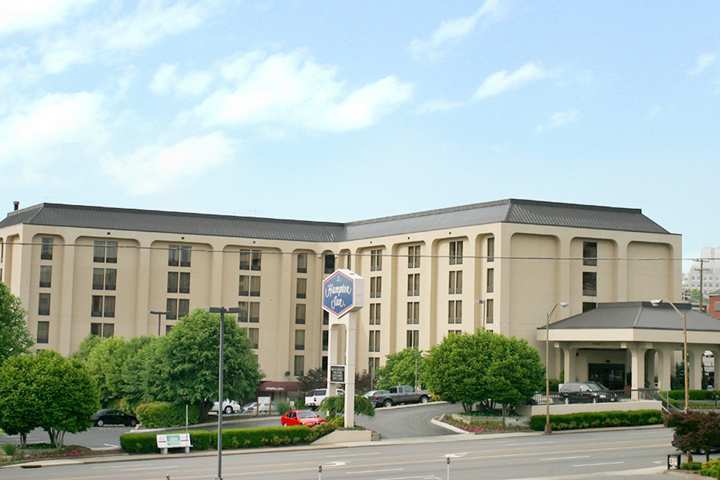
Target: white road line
[416, 477]
[597, 464]
[563, 458]
[526, 444]
[360, 472]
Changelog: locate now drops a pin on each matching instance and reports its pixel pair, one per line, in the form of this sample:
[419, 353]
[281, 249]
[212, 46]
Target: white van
[318, 395]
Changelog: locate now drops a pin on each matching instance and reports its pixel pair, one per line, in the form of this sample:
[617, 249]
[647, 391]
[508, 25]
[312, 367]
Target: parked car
[301, 417]
[399, 395]
[229, 406]
[586, 392]
[113, 417]
[318, 395]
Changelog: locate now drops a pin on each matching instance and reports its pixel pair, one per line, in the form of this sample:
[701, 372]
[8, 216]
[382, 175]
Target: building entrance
[612, 375]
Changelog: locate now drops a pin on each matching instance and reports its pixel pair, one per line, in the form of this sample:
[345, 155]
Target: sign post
[343, 292]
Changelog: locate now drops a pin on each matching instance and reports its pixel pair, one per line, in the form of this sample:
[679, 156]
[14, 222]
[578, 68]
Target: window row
[249, 312]
[375, 313]
[375, 287]
[249, 286]
[413, 289]
[179, 255]
[374, 341]
[455, 311]
[250, 260]
[455, 283]
[375, 260]
[178, 282]
[413, 339]
[105, 251]
[456, 252]
[177, 308]
[414, 256]
[413, 313]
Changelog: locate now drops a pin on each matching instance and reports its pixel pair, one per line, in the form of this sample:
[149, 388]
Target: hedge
[692, 394]
[574, 421]
[165, 414]
[145, 442]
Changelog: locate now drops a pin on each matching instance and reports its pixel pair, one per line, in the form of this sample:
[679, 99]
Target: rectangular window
[255, 286]
[489, 311]
[590, 253]
[184, 282]
[302, 263]
[413, 313]
[455, 311]
[490, 249]
[109, 307]
[46, 250]
[455, 282]
[374, 341]
[103, 306]
[44, 304]
[414, 256]
[256, 261]
[590, 284]
[374, 314]
[413, 285]
[106, 279]
[243, 312]
[253, 335]
[105, 330]
[299, 366]
[375, 260]
[185, 254]
[329, 263]
[454, 332]
[244, 289]
[171, 308]
[183, 308]
[110, 278]
[301, 288]
[254, 312]
[300, 311]
[45, 276]
[245, 259]
[173, 282]
[325, 340]
[324, 363]
[456, 252]
[373, 366]
[413, 339]
[326, 318]
[173, 256]
[375, 287]
[587, 306]
[43, 332]
[490, 285]
[299, 339]
[105, 251]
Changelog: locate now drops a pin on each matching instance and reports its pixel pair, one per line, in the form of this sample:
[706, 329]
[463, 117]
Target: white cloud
[292, 90]
[167, 80]
[26, 15]
[702, 63]
[159, 167]
[433, 106]
[150, 22]
[503, 81]
[451, 30]
[559, 119]
[38, 132]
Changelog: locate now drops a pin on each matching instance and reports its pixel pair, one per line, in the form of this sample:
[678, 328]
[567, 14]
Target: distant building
[710, 270]
[714, 306]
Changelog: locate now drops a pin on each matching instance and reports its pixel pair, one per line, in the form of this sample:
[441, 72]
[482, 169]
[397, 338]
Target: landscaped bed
[14, 454]
[479, 423]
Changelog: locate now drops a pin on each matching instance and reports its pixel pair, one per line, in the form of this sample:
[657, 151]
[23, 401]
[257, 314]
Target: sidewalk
[462, 437]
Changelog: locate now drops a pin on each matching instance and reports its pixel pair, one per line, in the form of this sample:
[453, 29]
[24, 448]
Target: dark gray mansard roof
[502, 211]
[640, 315]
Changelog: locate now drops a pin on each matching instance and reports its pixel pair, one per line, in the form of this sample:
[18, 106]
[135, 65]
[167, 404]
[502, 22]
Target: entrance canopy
[635, 322]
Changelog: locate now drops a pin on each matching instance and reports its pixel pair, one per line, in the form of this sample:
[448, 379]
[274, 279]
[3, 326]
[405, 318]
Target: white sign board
[173, 440]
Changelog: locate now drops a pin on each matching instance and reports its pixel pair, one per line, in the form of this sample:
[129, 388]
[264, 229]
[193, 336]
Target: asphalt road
[624, 454]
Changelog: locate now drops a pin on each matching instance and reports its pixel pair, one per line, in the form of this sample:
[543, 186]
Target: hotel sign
[342, 292]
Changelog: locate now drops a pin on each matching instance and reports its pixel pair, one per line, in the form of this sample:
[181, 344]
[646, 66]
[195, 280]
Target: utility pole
[221, 364]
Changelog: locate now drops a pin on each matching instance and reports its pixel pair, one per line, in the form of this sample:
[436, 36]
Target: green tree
[402, 368]
[105, 363]
[140, 382]
[334, 406]
[19, 414]
[314, 378]
[187, 364]
[86, 347]
[14, 336]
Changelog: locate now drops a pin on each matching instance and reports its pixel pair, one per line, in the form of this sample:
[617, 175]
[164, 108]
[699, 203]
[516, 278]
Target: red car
[301, 417]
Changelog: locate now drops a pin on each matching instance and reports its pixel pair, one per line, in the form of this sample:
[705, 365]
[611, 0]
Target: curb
[409, 405]
[447, 426]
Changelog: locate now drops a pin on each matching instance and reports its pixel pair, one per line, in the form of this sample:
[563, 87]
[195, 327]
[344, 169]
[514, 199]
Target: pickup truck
[316, 397]
[398, 395]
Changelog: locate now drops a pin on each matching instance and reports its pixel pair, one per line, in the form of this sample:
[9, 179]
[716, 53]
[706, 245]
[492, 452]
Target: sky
[339, 111]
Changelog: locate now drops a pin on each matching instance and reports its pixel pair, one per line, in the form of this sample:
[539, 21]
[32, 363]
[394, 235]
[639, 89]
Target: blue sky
[351, 110]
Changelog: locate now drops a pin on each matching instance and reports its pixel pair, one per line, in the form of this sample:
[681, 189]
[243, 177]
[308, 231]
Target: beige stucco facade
[534, 267]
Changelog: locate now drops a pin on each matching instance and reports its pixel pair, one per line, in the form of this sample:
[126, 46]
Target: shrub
[692, 394]
[165, 414]
[711, 469]
[695, 431]
[145, 442]
[691, 466]
[272, 436]
[283, 407]
[334, 406]
[575, 421]
[9, 449]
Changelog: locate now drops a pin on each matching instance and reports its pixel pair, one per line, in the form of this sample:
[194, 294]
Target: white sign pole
[351, 334]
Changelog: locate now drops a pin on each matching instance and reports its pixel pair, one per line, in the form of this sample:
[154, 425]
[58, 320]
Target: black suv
[586, 392]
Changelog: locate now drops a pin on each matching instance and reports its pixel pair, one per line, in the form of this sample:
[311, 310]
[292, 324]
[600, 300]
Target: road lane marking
[563, 458]
[360, 472]
[597, 464]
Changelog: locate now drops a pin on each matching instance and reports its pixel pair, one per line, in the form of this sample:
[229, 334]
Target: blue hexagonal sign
[342, 292]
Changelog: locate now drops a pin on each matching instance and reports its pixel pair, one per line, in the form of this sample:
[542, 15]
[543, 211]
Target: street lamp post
[548, 425]
[160, 315]
[683, 317]
[221, 364]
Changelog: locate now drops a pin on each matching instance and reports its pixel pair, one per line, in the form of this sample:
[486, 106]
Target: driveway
[408, 420]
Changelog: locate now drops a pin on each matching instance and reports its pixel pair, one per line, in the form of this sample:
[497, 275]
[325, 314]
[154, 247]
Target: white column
[696, 368]
[637, 370]
[666, 364]
[569, 364]
[650, 370]
[351, 340]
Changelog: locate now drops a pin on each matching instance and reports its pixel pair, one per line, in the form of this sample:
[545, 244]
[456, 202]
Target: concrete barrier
[345, 436]
[562, 408]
